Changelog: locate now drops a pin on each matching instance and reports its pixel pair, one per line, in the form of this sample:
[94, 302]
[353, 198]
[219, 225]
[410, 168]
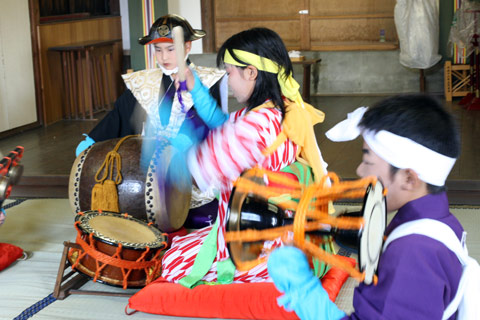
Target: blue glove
[206, 106]
[84, 144]
[303, 292]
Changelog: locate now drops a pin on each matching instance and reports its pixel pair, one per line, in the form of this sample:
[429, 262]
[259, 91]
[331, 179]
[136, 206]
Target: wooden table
[87, 70]
[307, 70]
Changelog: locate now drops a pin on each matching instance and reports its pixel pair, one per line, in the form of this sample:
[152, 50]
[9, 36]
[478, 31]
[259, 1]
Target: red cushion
[8, 254]
[229, 301]
[334, 279]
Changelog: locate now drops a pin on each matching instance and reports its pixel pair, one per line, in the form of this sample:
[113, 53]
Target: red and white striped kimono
[218, 161]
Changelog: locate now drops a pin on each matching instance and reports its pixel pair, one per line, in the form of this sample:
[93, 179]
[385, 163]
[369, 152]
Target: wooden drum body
[139, 192]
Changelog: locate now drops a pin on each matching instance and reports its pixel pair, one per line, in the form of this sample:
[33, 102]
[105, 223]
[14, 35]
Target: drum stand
[72, 281]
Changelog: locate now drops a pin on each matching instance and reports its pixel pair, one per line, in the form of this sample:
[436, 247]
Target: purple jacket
[417, 276]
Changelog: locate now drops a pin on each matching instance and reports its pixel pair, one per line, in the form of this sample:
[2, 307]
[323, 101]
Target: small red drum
[140, 192]
[117, 249]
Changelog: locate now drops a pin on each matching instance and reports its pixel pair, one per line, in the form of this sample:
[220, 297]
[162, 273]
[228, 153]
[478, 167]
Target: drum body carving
[139, 193]
[117, 249]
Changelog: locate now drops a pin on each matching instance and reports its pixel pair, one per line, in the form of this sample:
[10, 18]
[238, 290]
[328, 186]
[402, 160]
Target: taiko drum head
[114, 228]
[371, 239]
[367, 242]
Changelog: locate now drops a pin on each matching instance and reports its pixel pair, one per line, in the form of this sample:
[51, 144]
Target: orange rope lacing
[116, 260]
[272, 233]
[313, 204]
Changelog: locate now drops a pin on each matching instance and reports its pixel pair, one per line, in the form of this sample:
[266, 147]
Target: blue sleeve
[303, 292]
[206, 106]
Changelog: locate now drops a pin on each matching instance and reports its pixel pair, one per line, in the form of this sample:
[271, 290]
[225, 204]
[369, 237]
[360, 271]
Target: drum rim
[239, 197]
[81, 216]
[233, 224]
[160, 214]
[361, 262]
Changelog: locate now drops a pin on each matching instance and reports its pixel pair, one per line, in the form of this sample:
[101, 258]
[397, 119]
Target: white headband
[431, 166]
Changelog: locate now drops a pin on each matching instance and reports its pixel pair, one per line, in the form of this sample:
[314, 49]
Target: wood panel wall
[351, 25]
[64, 33]
[317, 25]
[281, 16]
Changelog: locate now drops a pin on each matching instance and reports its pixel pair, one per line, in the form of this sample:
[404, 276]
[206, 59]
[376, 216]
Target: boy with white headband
[273, 129]
[410, 144]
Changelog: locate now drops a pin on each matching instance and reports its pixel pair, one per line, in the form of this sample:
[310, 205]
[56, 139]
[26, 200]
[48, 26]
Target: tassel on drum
[104, 193]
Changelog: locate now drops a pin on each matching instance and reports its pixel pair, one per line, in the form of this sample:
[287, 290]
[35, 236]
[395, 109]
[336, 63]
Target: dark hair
[265, 43]
[420, 118]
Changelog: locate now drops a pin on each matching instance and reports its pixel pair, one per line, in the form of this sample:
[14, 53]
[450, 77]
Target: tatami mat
[470, 220]
[41, 226]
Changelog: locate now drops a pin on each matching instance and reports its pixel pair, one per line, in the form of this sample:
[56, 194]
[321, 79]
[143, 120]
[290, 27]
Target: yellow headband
[288, 85]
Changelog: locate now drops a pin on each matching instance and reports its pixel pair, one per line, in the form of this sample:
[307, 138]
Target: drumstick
[179, 43]
[180, 54]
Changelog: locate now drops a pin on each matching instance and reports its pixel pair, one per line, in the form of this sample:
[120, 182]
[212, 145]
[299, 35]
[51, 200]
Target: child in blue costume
[151, 106]
[125, 119]
[410, 144]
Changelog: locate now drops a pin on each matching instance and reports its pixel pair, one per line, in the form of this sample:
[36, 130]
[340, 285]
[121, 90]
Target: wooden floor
[50, 151]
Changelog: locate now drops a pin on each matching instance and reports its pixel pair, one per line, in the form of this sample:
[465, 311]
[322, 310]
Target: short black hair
[268, 44]
[418, 117]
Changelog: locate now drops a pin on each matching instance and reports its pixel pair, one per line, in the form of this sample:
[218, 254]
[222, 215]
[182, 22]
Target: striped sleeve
[234, 147]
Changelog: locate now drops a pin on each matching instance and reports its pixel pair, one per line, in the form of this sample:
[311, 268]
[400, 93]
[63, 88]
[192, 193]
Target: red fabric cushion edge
[232, 301]
[8, 254]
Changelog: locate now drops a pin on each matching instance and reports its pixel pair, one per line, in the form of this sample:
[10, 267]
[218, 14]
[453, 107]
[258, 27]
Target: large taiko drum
[117, 249]
[141, 192]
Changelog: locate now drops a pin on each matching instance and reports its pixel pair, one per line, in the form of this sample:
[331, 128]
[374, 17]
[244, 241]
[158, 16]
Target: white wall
[192, 11]
[17, 87]
[125, 25]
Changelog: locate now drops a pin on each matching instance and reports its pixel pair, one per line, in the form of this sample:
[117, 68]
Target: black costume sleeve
[126, 118]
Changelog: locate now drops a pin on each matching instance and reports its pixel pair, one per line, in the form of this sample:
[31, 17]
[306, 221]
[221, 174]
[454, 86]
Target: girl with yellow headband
[274, 129]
